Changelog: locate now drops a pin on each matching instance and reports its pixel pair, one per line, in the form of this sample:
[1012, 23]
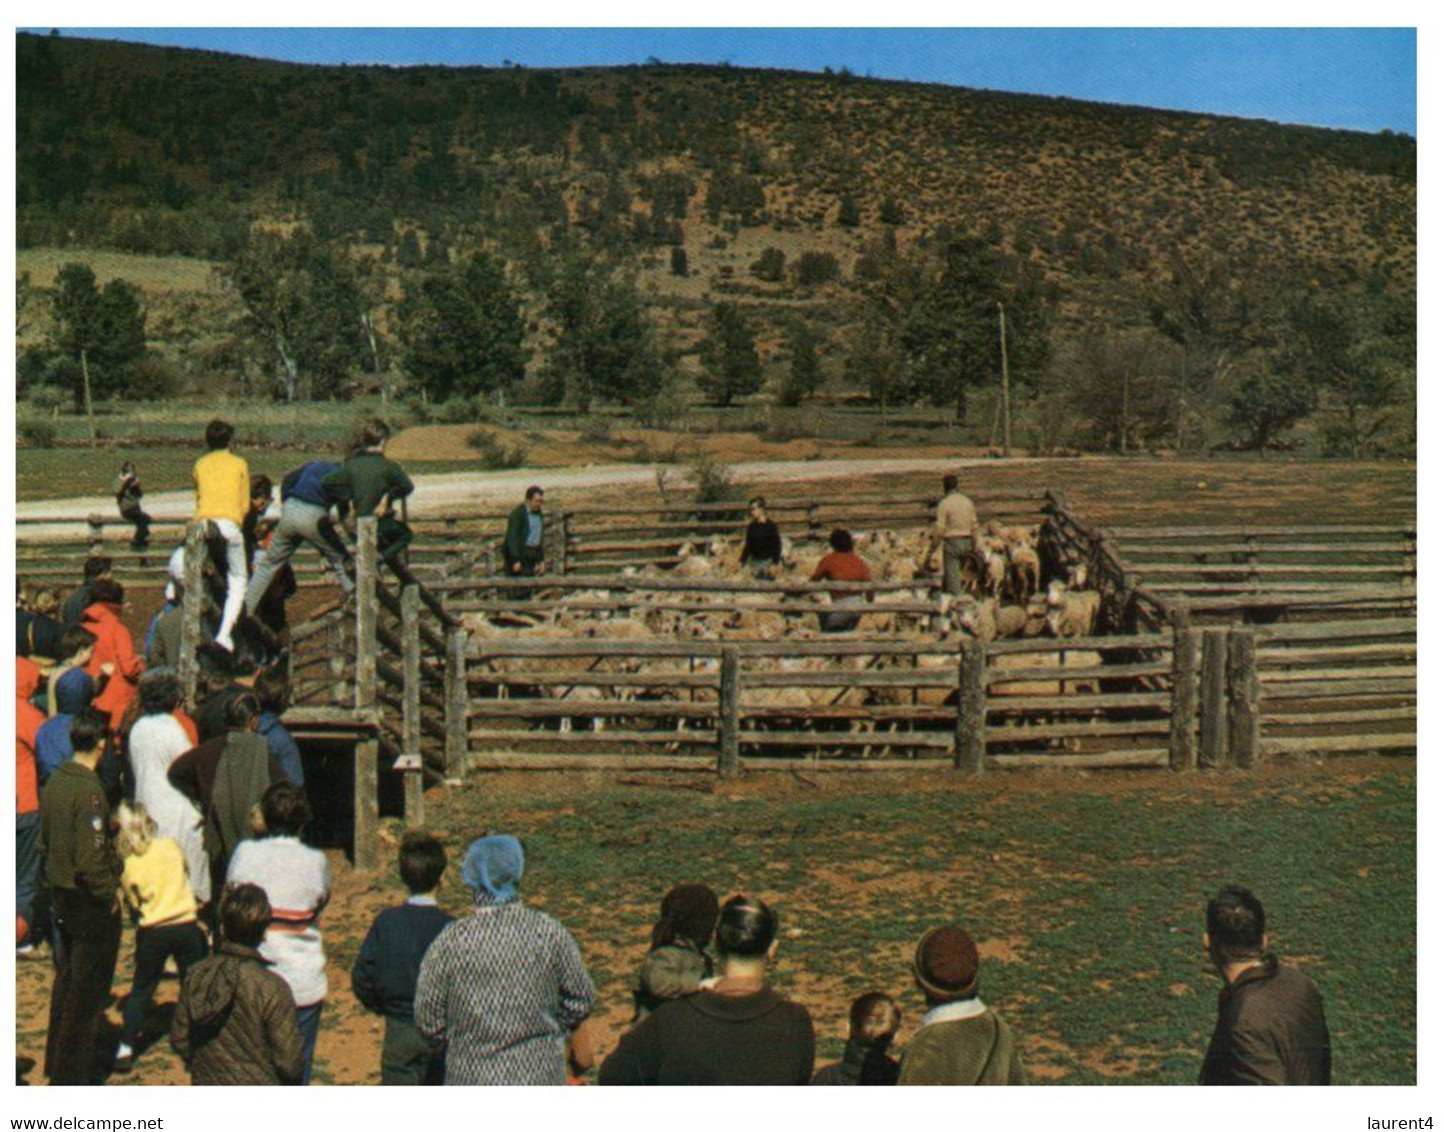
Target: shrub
[790, 428]
[712, 481]
[816, 267]
[37, 433]
[492, 453]
[595, 430]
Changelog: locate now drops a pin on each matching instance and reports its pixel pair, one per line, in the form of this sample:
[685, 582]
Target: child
[872, 1024]
[223, 498]
[156, 885]
[384, 977]
[678, 963]
[77, 645]
[235, 1023]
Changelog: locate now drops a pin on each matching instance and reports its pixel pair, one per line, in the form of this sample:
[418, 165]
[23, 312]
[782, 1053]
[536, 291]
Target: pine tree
[605, 346]
[804, 369]
[730, 365]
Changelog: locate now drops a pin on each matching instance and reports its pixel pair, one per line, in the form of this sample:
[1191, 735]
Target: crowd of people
[195, 822]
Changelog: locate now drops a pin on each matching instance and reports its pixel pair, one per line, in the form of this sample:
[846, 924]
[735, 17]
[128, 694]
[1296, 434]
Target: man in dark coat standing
[524, 547]
[1271, 1028]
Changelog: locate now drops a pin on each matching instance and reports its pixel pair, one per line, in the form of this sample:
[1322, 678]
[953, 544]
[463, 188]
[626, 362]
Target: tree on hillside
[1121, 387]
[804, 365]
[1266, 404]
[730, 365]
[304, 311]
[462, 330]
[1360, 351]
[945, 310]
[1211, 307]
[875, 362]
[605, 345]
[102, 330]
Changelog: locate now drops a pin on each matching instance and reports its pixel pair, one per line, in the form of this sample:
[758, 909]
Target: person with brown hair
[738, 1031]
[873, 1022]
[1270, 1028]
[372, 484]
[961, 1041]
[223, 500]
[235, 1022]
[677, 963]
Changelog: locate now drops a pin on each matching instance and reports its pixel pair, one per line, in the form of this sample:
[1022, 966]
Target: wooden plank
[1106, 760]
[841, 739]
[411, 691]
[729, 701]
[520, 760]
[725, 604]
[562, 708]
[1340, 689]
[1159, 641]
[1396, 650]
[1067, 674]
[366, 611]
[1077, 729]
[1325, 744]
[1002, 705]
[634, 583]
[1213, 726]
[593, 678]
[1359, 672]
[665, 737]
[1133, 547]
[1264, 569]
[1243, 699]
[1334, 631]
[1362, 530]
[1182, 745]
[192, 602]
[970, 734]
[457, 700]
[1402, 714]
[333, 717]
[1267, 589]
[366, 805]
[493, 648]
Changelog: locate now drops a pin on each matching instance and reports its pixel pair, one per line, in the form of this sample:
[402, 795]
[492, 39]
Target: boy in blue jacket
[384, 977]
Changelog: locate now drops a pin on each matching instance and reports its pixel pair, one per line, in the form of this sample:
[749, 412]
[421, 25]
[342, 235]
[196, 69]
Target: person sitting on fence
[305, 518]
[272, 688]
[114, 656]
[960, 1041]
[261, 519]
[524, 547]
[842, 565]
[737, 1032]
[156, 740]
[371, 483]
[384, 976]
[128, 493]
[762, 542]
[503, 987]
[297, 881]
[956, 532]
[97, 566]
[678, 963]
[235, 1022]
[223, 499]
[155, 884]
[873, 1022]
[38, 634]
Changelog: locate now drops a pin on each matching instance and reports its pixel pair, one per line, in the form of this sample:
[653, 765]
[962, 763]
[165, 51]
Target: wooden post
[729, 703]
[336, 659]
[458, 700]
[1007, 400]
[411, 702]
[367, 819]
[564, 542]
[96, 523]
[1213, 730]
[366, 603]
[969, 745]
[192, 602]
[1182, 745]
[1243, 698]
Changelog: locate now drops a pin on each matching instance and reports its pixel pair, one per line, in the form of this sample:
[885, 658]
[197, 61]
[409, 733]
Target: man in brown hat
[961, 1041]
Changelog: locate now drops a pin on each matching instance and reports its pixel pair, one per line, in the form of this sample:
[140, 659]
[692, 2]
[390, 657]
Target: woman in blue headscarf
[502, 988]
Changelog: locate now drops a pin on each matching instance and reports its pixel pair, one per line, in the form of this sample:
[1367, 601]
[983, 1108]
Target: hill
[165, 151]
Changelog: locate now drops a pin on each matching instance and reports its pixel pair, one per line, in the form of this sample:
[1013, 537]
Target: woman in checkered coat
[502, 988]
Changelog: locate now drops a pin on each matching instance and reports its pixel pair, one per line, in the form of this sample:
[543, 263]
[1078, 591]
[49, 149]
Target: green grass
[1088, 901]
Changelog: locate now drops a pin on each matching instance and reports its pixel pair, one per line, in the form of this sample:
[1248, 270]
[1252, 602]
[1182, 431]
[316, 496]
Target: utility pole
[1007, 403]
[89, 406]
[1182, 394]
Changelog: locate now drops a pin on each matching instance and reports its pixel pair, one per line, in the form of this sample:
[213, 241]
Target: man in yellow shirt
[955, 531]
[223, 497]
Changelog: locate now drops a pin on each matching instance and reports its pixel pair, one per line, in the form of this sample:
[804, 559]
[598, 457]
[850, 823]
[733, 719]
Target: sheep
[1025, 570]
[1072, 613]
[690, 564]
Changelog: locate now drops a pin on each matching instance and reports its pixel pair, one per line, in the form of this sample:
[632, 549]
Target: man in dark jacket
[872, 1023]
[762, 542]
[737, 1032]
[371, 483]
[97, 566]
[235, 1022]
[524, 548]
[81, 869]
[1271, 1028]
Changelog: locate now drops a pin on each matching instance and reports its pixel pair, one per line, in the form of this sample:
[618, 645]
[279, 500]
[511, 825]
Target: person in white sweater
[156, 740]
[297, 881]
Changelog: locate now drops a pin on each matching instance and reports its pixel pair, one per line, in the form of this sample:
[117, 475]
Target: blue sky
[1352, 78]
